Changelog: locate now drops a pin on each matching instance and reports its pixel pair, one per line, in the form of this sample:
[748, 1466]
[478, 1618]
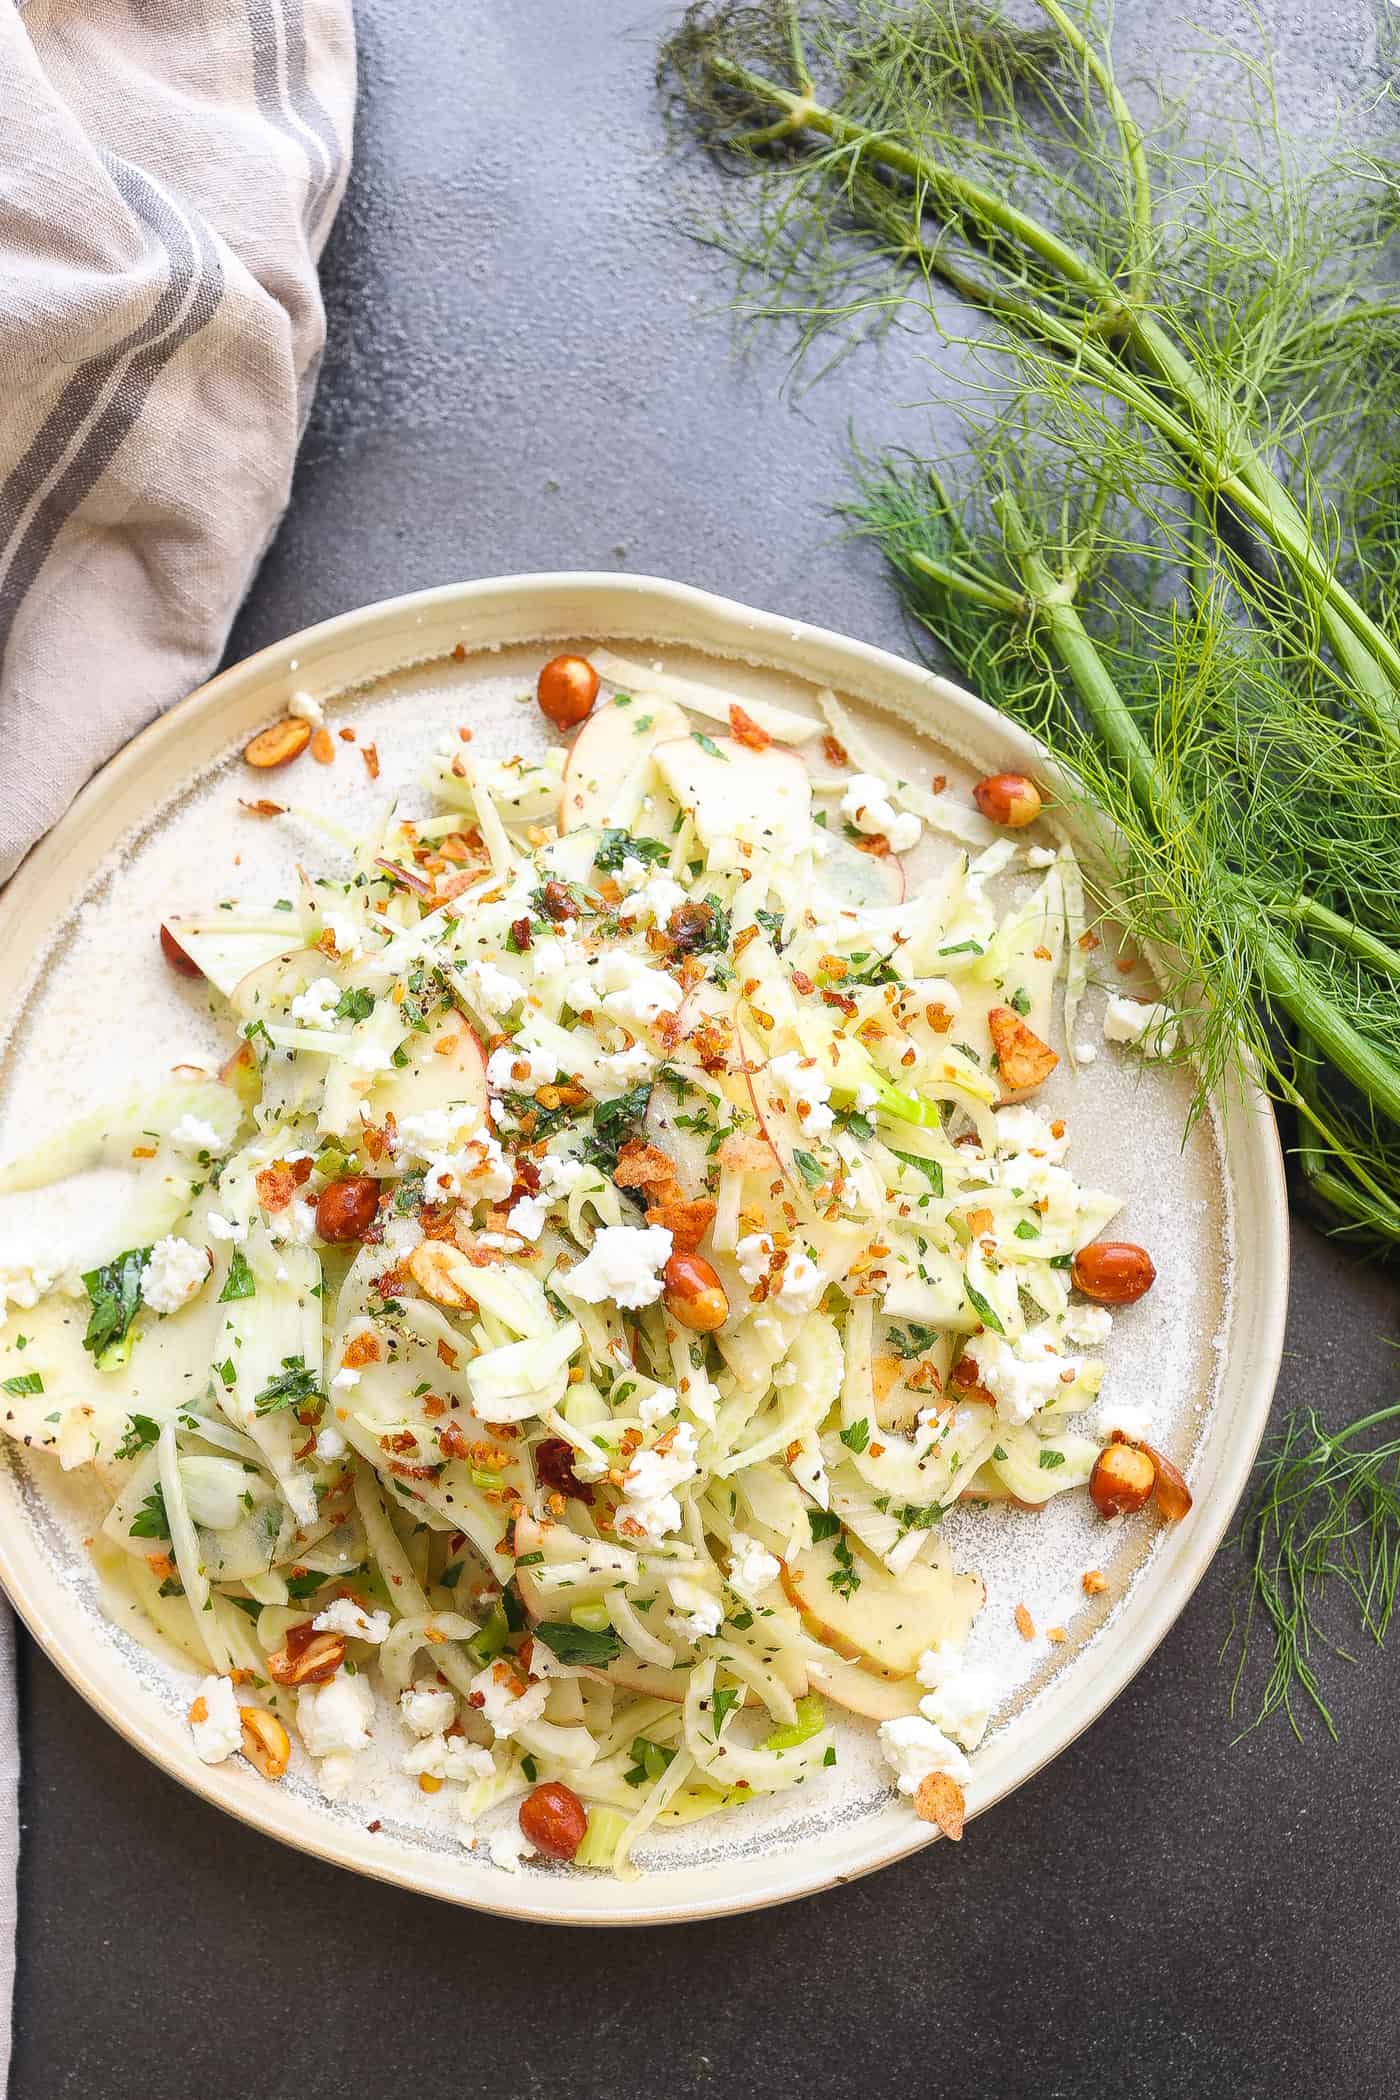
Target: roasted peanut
[1023, 1060]
[694, 1294]
[183, 965]
[443, 1273]
[279, 745]
[1009, 799]
[1113, 1272]
[345, 1209]
[1171, 1497]
[266, 1744]
[306, 1657]
[566, 690]
[1122, 1480]
[554, 1820]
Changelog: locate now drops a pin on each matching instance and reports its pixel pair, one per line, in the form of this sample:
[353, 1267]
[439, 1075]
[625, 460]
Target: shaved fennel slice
[780, 722]
[936, 811]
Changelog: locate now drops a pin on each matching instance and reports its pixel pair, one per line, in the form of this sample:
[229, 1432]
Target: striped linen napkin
[169, 172]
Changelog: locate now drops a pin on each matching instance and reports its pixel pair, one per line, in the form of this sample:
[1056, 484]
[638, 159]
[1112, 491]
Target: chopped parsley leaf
[141, 1433]
[240, 1281]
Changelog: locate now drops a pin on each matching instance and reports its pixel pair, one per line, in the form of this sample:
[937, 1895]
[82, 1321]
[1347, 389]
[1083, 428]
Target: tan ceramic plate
[80, 976]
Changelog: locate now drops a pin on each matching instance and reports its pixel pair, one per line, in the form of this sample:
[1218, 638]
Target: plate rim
[778, 641]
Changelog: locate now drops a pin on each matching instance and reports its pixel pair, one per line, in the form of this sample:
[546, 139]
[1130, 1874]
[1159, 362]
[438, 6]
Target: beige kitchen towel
[169, 171]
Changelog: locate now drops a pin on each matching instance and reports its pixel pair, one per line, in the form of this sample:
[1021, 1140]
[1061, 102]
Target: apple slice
[875, 1698]
[761, 797]
[884, 1624]
[446, 1068]
[607, 762]
[273, 983]
[226, 952]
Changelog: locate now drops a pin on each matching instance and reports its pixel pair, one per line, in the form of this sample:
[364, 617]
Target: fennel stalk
[1173, 549]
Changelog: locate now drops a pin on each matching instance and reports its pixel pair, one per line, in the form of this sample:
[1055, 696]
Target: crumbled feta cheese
[656, 901]
[913, 1748]
[173, 1274]
[1022, 1376]
[633, 872]
[654, 1407]
[315, 1007]
[1152, 1028]
[346, 1379]
[624, 1264]
[215, 1726]
[560, 1175]
[436, 1130]
[493, 990]
[1041, 856]
[480, 1169]
[650, 994]
[866, 803]
[427, 1708]
[751, 1567]
[296, 1224]
[330, 1444]
[25, 1287]
[626, 988]
[802, 1285]
[221, 1228]
[753, 1254]
[1021, 1129]
[503, 1702]
[1126, 1418]
[1088, 1324]
[527, 1216]
[521, 1065]
[337, 1715]
[343, 1615]
[806, 1090]
[345, 932]
[370, 1057]
[508, 1847]
[447, 1757]
[195, 1134]
[649, 1509]
[960, 1696]
[866, 1098]
[621, 1069]
[307, 708]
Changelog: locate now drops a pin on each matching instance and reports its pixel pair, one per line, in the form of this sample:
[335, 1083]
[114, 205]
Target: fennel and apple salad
[621, 1234]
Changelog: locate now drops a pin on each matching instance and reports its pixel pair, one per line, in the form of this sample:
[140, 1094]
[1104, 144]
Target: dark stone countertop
[527, 369]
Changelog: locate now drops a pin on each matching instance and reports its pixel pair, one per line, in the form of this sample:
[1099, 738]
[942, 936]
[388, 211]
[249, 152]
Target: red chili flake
[554, 1463]
[369, 753]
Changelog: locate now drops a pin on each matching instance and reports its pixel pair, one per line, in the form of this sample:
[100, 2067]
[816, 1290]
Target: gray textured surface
[526, 371]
